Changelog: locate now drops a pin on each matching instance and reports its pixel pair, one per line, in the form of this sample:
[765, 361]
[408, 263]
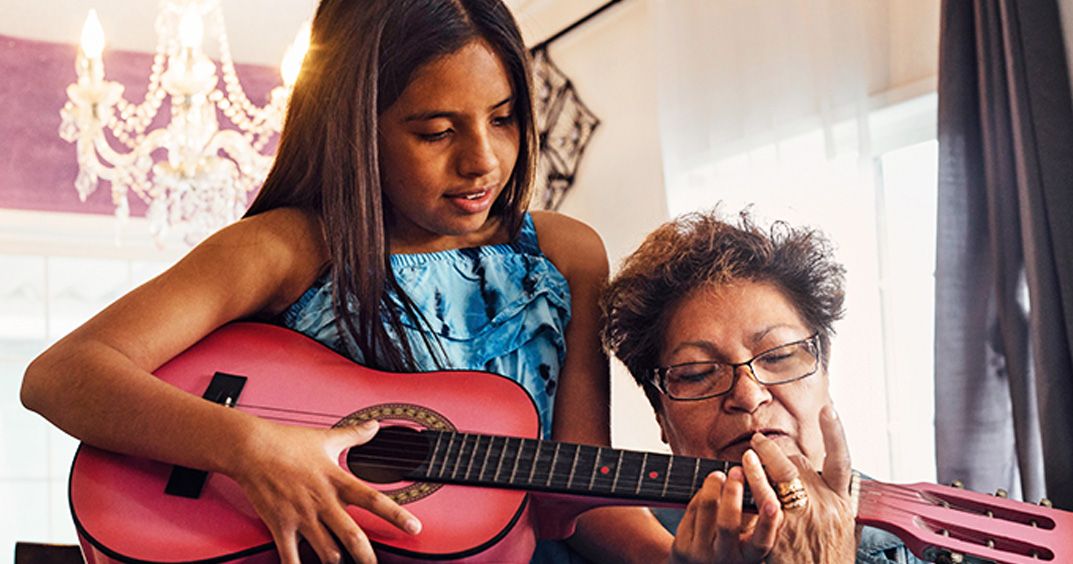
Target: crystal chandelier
[205, 179]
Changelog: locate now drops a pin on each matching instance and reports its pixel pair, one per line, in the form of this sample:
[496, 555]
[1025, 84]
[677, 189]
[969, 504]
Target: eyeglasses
[702, 380]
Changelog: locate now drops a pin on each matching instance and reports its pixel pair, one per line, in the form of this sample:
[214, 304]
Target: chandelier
[194, 176]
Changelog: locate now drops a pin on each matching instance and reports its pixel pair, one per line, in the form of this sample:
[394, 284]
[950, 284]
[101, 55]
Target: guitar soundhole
[390, 456]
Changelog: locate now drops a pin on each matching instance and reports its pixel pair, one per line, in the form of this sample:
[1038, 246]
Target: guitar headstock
[935, 520]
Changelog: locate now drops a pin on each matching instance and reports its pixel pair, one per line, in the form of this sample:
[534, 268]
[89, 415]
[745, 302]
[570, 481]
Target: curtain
[1004, 272]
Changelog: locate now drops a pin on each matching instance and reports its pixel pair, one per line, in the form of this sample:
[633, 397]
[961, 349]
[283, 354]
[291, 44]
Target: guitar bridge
[224, 389]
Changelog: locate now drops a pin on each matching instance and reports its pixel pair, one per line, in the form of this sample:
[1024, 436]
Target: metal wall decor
[564, 126]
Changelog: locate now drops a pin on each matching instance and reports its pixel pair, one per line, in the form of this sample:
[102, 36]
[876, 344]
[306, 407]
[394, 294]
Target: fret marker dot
[653, 474]
[605, 470]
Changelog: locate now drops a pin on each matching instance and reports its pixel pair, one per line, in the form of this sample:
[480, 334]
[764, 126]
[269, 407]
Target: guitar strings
[290, 410]
[870, 496]
[676, 488]
[392, 459]
[599, 484]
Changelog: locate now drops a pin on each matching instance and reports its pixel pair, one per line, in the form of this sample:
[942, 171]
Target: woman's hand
[714, 529]
[292, 477]
[824, 531]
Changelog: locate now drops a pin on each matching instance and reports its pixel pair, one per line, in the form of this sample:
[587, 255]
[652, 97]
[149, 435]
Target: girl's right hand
[292, 477]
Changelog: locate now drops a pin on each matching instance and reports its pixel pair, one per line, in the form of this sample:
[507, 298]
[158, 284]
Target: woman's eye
[776, 358]
[693, 374]
[437, 136]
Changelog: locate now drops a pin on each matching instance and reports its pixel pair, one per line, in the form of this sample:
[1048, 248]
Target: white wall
[619, 190]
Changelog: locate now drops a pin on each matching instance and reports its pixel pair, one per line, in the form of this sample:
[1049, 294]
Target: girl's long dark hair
[363, 54]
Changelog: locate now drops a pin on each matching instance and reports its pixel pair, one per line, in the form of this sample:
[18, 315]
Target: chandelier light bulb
[191, 28]
[292, 59]
[193, 173]
[92, 36]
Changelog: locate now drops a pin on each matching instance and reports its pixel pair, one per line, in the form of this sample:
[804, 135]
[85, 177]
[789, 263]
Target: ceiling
[259, 31]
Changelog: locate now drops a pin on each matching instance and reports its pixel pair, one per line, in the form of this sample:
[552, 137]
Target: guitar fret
[573, 466]
[502, 453]
[667, 477]
[435, 449]
[484, 463]
[517, 458]
[680, 481]
[472, 455]
[551, 469]
[458, 459]
[536, 458]
[693, 482]
[641, 476]
[618, 469]
[446, 455]
[595, 464]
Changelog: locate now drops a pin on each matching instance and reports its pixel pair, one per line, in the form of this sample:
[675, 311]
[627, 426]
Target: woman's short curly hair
[702, 249]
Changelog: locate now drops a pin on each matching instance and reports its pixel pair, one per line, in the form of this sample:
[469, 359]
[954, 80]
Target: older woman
[727, 328]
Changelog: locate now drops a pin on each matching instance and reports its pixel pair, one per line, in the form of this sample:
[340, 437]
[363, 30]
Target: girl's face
[447, 148]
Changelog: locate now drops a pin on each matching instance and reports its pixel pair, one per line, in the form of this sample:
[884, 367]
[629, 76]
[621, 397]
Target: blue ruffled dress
[498, 308]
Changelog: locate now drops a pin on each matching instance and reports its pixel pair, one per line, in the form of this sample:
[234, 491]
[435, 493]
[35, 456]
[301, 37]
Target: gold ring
[792, 494]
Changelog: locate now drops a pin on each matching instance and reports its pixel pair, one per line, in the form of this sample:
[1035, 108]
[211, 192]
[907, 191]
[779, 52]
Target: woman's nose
[748, 394]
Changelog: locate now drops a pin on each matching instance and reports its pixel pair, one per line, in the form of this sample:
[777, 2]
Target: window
[57, 274]
[870, 185]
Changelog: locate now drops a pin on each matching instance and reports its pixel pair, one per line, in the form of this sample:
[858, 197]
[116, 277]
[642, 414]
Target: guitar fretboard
[532, 464]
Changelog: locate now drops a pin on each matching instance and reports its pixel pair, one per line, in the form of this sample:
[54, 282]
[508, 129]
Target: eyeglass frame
[659, 374]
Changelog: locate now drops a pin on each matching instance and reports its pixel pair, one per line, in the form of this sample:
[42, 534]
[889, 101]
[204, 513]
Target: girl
[393, 228]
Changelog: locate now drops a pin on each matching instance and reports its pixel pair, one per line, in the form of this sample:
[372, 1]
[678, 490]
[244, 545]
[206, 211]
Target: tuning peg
[1001, 493]
[957, 484]
[947, 557]
[1046, 502]
[942, 556]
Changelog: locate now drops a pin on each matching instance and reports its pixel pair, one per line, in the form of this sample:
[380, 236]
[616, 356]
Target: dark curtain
[1004, 273]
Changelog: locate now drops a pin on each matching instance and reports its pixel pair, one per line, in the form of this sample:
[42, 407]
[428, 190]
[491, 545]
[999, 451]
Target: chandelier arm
[251, 163]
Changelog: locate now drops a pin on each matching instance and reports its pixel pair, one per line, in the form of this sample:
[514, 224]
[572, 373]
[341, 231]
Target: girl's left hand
[824, 531]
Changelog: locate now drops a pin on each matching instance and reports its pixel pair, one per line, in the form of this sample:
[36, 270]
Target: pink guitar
[482, 497]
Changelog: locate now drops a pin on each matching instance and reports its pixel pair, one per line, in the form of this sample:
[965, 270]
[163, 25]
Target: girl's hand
[714, 529]
[292, 477]
[824, 531]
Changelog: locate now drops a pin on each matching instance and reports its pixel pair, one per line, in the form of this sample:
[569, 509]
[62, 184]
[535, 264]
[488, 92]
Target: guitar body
[122, 512]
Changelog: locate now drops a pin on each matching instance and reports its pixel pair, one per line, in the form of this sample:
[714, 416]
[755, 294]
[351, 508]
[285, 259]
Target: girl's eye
[503, 120]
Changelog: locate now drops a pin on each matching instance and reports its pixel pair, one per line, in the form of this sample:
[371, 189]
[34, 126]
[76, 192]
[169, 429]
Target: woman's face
[733, 323]
[447, 148]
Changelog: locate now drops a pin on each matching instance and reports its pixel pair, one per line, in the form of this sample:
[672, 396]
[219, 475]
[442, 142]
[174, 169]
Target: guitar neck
[536, 465]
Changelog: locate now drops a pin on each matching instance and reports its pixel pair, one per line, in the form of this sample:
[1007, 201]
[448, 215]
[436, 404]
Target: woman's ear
[662, 428]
